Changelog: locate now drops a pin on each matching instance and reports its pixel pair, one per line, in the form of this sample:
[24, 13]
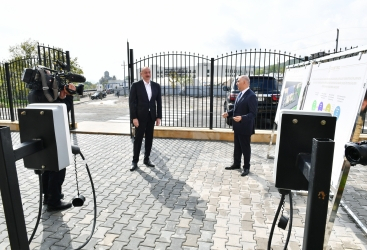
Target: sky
[96, 32]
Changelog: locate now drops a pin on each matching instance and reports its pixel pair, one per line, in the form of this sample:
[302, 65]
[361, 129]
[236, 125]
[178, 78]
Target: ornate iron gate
[192, 84]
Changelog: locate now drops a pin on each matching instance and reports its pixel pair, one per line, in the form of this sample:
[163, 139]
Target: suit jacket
[139, 103]
[246, 107]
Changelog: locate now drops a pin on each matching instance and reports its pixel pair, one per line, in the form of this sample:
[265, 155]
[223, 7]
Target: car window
[263, 83]
[260, 83]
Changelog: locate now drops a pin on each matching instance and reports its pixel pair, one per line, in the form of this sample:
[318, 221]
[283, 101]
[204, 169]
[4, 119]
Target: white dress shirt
[148, 88]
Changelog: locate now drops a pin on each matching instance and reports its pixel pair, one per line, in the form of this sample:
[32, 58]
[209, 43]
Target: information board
[338, 87]
[294, 83]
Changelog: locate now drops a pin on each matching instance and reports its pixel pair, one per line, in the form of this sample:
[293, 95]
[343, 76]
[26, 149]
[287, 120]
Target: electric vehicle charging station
[48, 122]
[45, 145]
[303, 161]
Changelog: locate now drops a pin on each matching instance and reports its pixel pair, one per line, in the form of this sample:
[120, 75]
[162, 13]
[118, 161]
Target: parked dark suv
[266, 90]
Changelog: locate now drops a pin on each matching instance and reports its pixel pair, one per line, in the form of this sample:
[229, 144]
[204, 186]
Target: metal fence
[13, 91]
[192, 84]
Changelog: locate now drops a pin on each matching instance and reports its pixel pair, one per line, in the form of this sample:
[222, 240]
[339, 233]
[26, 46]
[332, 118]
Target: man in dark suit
[145, 103]
[244, 114]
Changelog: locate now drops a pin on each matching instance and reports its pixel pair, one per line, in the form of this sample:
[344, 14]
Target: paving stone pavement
[188, 201]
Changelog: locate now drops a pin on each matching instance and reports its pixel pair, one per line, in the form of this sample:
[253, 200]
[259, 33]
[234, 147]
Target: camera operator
[52, 180]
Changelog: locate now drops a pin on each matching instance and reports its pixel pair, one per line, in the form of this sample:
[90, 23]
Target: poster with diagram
[294, 83]
[338, 87]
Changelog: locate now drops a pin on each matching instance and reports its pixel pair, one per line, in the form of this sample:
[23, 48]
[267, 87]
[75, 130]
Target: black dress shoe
[149, 163]
[245, 172]
[134, 166]
[62, 206]
[232, 167]
[45, 200]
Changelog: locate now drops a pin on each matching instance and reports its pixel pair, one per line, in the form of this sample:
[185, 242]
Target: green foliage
[75, 67]
[19, 59]
[275, 68]
[89, 85]
[29, 49]
[26, 49]
[181, 79]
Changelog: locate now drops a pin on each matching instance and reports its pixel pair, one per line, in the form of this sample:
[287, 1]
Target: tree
[75, 67]
[24, 55]
[181, 79]
[29, 49]
[89, 85]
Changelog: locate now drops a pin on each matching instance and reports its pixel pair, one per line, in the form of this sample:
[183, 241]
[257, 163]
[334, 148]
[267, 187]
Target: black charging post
[304, 160]
[9, 185]
[317, 169]
[47, 148]
[41, 149]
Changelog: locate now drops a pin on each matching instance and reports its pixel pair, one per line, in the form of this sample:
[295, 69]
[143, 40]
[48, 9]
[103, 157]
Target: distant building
[99, 87]
[116, 84]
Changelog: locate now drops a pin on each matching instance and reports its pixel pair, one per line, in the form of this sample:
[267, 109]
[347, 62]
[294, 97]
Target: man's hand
[225, 115]
[62, 94]
[237, 118]
[136, 122]
[65, 92]
[71, 88]
[158, 121]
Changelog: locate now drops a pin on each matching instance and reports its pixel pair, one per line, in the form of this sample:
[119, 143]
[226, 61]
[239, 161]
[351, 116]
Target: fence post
[131, 66]
[10, 95]
[128, 63]
[67, 60]
[72, 114]
[39, 54]
[131, 79]
[211, 92]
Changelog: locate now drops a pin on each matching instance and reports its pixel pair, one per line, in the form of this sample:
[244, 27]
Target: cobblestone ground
[188, 201]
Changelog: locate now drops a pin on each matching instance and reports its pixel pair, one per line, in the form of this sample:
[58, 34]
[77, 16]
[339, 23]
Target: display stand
[332, 80]
[297, 79]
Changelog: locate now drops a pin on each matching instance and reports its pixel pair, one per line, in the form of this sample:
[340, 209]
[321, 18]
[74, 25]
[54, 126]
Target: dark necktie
[238, 97]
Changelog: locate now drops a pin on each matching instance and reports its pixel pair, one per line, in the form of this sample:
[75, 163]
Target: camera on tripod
[46, 79]
[356, 152]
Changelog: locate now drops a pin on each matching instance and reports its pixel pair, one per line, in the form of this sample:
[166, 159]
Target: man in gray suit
[145, 102]
[244, 115]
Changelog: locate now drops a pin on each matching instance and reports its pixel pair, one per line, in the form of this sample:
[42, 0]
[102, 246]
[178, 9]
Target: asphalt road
[179, 111]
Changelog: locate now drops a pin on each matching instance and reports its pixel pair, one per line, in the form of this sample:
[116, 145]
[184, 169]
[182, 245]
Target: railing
[192, 84]
[13, 94]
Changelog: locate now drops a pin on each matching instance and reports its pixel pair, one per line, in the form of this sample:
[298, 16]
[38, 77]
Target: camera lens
[352, 154]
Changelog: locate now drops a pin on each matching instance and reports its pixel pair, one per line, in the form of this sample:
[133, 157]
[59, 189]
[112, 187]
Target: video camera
[356, 152]
[43, 78]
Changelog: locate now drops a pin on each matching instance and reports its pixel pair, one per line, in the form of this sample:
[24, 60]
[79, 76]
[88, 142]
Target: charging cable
[39, 173]
[284, 222]
[75, 150]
